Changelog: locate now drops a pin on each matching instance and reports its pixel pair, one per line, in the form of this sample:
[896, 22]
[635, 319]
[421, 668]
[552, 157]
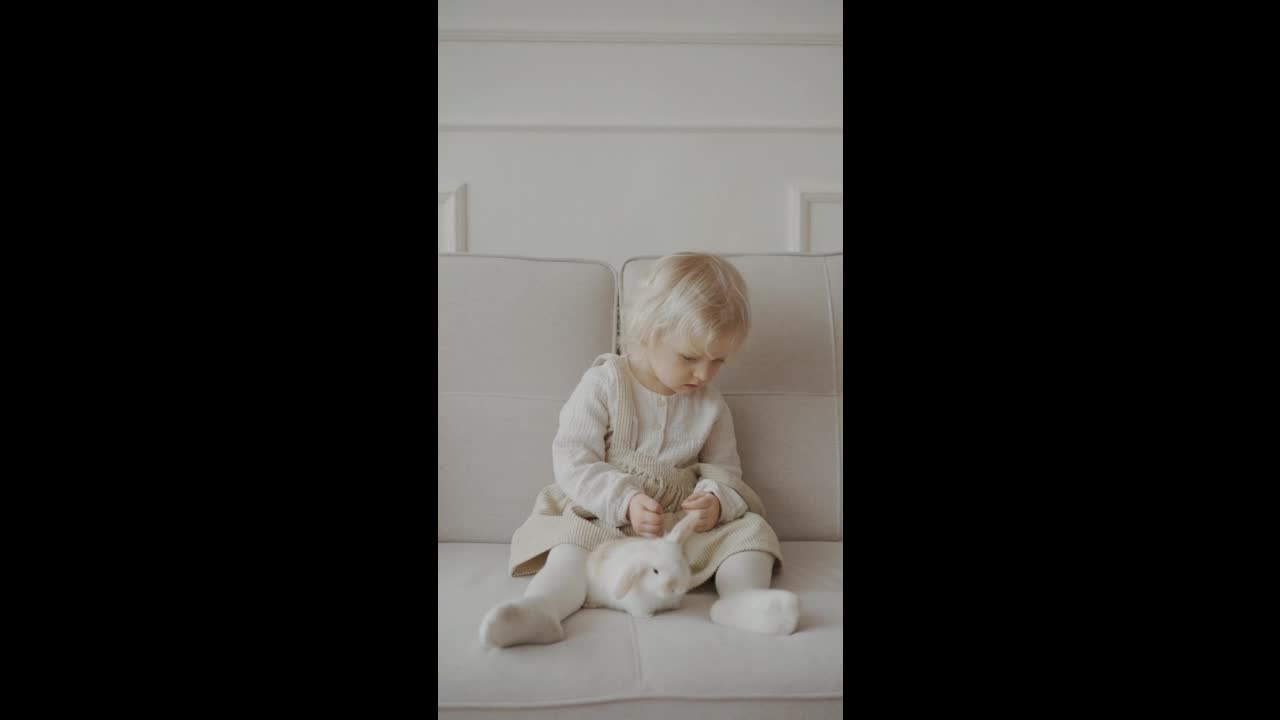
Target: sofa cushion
[514, 337]
[597, 659]
[612, 665]
[785, 387]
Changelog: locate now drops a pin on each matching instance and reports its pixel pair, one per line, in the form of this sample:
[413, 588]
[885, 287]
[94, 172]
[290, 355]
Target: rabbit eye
[655, 571]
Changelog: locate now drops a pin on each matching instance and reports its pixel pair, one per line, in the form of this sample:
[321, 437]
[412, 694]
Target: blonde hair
[694, 298]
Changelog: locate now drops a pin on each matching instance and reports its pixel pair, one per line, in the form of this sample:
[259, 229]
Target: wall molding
[451, 199]
[638, 128]
[651, 38]
[801, 198]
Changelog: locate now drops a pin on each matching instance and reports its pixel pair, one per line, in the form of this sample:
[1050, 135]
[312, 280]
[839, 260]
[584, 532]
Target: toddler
[643, 438]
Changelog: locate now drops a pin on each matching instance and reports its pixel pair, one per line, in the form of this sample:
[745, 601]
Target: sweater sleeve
[721, 450]
[732, 506]
[578, 452]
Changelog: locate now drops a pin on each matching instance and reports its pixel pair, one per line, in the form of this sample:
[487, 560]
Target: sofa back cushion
[514, 337]
[785, 387]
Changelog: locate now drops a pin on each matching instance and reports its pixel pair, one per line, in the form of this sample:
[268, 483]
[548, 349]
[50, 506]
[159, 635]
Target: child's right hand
[645, 515]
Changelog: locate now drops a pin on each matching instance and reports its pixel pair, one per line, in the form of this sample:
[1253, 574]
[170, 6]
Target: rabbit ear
[684, 528]
[628, 579]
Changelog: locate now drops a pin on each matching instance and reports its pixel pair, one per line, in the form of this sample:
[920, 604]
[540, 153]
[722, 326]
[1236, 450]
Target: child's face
[680, 369]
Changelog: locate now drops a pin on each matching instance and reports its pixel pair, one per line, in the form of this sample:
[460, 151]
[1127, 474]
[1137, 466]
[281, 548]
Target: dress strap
[624, 436]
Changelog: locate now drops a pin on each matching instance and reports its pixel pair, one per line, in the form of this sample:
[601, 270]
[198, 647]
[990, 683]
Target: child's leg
[747, 603]
[560, 587]
[554, 594]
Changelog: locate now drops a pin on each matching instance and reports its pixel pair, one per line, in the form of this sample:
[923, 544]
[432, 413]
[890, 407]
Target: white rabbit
[641, 575]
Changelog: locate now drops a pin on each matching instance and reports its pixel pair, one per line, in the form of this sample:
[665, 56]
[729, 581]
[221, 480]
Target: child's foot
[769, 612]
[515, 623]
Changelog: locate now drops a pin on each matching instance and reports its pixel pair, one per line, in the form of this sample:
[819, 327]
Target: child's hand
[709, 505]
[645, 515]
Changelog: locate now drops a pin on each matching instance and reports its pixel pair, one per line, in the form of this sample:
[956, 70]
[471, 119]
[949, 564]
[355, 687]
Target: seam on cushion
[635, 650]
[495, 395]
[835, 375]
[628, 698]
[617, 313]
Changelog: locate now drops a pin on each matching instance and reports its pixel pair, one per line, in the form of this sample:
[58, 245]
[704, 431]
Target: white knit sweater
[676, 429]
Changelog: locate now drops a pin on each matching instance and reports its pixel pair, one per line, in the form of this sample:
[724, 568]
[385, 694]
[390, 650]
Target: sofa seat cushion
[611, 665]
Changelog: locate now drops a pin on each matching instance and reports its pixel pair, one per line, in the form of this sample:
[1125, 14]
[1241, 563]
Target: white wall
[606, 129]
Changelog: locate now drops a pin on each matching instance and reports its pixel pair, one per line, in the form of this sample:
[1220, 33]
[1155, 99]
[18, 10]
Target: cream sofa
[515, 335]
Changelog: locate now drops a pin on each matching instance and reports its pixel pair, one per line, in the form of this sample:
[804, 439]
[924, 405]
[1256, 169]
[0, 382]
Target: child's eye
[687, 358]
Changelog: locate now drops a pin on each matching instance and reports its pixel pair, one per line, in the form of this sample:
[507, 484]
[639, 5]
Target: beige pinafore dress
[556, 519]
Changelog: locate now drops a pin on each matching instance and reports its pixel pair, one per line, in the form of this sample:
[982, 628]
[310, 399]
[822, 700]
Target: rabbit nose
[671, 586]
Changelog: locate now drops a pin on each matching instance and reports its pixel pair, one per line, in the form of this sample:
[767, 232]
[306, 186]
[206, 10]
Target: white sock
[746, 602]
[519, 623]
[555, 593]
[769, 612]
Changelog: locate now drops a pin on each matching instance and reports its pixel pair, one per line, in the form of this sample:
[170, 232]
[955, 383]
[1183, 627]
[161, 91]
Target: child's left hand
[709, 505]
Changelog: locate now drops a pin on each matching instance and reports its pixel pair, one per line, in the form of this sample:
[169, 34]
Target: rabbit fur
[641, 576]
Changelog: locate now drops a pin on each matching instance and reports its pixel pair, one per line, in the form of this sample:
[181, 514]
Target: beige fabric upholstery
[786, 389]
[514, 337]
[612, 665]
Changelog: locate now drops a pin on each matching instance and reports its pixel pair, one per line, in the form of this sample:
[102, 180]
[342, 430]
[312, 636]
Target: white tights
[560, 588]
